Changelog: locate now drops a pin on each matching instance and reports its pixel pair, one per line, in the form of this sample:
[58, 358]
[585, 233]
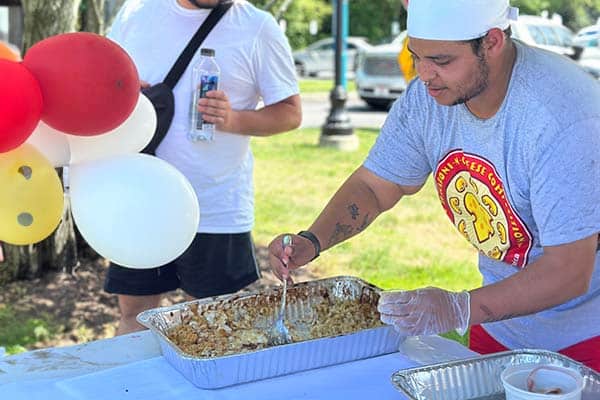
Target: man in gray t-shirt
[511, 136]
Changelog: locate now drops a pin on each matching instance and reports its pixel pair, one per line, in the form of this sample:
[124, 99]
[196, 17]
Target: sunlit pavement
[316, 106]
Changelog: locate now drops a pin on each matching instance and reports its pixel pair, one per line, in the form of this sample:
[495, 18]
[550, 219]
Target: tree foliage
[362, 17]
[373, 19]
[297, 15]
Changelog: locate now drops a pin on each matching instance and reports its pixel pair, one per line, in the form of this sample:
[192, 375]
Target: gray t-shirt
[526, 178]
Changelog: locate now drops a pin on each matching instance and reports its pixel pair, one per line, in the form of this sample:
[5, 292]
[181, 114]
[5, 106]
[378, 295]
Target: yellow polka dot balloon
[31, 196]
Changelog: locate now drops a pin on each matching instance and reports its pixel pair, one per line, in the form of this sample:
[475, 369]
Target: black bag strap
[188, 53]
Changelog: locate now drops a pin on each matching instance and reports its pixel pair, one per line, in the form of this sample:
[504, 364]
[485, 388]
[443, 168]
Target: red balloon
[20, 104]
[89, 83]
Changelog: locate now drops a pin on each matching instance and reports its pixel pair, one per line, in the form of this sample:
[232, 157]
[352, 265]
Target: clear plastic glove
[427, 311]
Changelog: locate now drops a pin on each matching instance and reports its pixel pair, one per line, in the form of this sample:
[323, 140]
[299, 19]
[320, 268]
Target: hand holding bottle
[216, 109]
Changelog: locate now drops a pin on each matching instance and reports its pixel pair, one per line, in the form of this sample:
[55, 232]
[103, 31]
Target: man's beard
[195, 3]
[480, 84]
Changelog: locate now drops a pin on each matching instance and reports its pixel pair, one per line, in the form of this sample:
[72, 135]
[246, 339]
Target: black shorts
[214, 264]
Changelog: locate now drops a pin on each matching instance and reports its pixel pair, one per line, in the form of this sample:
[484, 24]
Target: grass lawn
[321, 86]
[16, 334]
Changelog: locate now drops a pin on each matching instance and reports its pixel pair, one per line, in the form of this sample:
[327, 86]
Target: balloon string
[67, 211]
[65, 181]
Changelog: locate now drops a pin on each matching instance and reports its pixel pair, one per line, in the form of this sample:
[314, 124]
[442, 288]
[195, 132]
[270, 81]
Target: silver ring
[286, 241]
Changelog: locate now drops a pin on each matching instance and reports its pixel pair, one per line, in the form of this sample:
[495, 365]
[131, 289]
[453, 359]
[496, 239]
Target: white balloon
[135, 209]
[129, 137]
[51, 143]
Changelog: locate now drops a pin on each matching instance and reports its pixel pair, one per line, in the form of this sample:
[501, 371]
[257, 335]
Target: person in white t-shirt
[256, 65]
[510, 135]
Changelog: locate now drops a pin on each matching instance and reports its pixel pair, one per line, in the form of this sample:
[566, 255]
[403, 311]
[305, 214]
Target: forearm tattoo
[341, 233]
[344, 231]
[364, 224]
[353, 210]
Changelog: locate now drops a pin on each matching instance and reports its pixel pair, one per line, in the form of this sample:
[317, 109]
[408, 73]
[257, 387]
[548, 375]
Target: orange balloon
[6, 53]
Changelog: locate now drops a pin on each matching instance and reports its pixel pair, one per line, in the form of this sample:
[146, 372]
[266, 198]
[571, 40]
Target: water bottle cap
[207, 52]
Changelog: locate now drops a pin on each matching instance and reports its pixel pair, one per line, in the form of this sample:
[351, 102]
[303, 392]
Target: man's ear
[494, 41]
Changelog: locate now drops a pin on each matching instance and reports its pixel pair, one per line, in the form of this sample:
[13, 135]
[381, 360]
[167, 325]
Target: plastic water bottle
[205, 77]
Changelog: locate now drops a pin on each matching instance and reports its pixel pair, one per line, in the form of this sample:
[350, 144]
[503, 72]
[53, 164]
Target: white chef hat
[457, 19]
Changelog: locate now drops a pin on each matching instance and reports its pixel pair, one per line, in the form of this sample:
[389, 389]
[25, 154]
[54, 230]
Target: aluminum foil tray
[217, 372]
[479, 378]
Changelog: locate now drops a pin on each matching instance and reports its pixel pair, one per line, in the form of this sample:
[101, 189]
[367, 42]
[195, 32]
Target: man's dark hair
[476, 43]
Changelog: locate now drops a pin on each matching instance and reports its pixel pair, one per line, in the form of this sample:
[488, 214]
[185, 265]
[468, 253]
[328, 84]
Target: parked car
[379, 80]
[588, 36]
[319, 57]
[589, 39]
[549, 34]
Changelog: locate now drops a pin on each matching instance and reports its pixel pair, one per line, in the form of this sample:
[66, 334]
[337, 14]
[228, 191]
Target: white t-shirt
[526, 178]
[256, 63]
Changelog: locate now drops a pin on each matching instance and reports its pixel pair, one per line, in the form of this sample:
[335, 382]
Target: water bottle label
[201, 129]
[208, 83]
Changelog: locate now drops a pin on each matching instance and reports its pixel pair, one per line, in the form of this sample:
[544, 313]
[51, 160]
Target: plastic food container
[478, 378]
[536, 381]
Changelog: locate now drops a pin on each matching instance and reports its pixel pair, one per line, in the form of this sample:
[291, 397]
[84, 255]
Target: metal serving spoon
[278, 334]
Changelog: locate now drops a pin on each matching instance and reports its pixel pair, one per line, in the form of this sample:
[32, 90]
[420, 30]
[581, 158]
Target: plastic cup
[514, 380]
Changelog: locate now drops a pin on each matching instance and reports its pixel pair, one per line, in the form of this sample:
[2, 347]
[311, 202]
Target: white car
[589, 39]
[549, 34]
[588, 36]
[319, 57]
[379, 80]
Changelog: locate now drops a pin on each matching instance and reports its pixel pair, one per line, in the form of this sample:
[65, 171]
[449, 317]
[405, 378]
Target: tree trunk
[111, 7]
[94, 17]
[44, 18]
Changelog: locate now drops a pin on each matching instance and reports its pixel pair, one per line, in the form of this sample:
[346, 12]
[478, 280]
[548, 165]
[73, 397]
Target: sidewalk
[316, 107]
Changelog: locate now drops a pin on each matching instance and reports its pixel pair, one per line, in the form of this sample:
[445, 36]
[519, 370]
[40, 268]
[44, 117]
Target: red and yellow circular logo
[473, 196]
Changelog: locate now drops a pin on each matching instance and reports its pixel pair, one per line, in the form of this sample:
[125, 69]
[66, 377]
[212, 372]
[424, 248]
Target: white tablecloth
[130, 367]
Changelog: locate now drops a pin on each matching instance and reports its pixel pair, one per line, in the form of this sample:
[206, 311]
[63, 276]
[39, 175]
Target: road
[315, 109]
